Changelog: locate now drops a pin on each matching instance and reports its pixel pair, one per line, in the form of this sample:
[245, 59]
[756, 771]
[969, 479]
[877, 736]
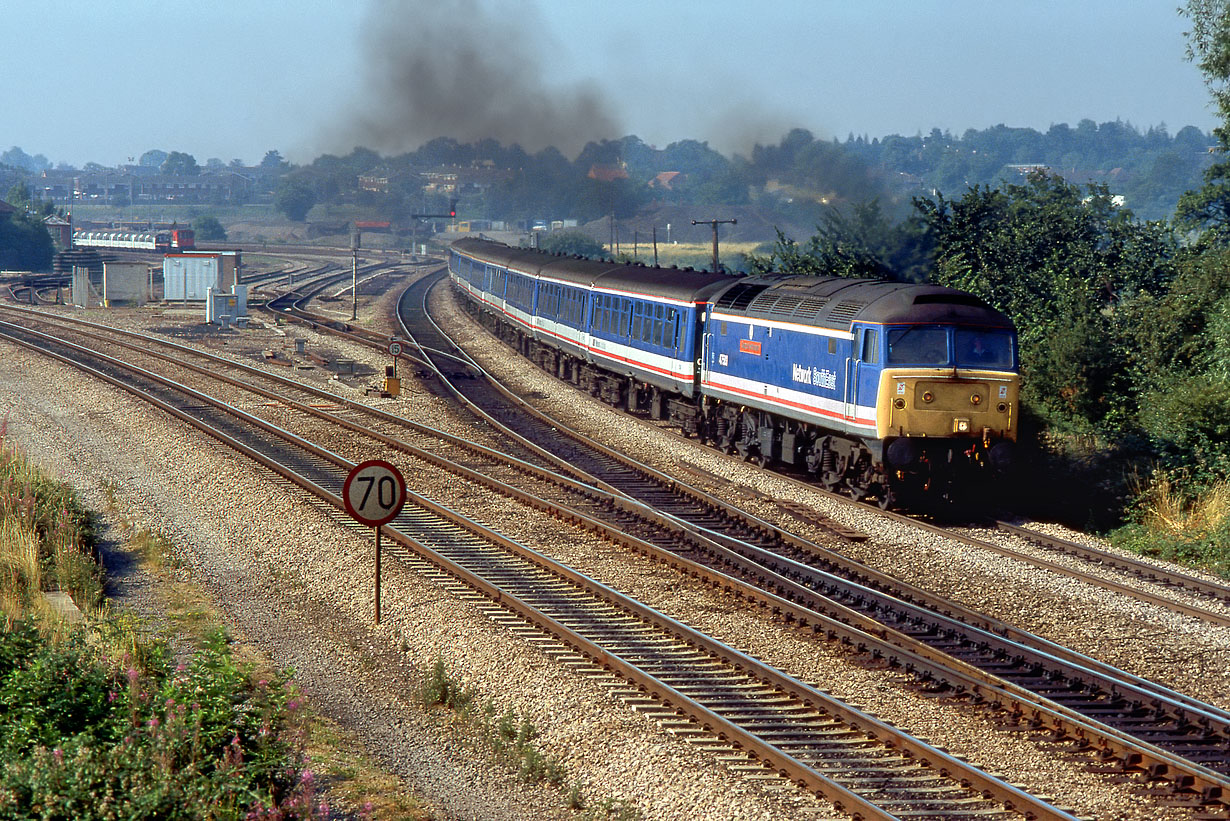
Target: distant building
[1027, 168]
[61, 231]
[607, 173]
[669, 181]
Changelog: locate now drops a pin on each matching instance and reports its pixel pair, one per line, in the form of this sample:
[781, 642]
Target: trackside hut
[190, 276]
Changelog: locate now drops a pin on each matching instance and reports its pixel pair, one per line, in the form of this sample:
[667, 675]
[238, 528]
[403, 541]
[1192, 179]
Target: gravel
[294, 581]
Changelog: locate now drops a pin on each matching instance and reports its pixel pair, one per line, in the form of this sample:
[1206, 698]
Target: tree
[25, 244]
[573, 243]
[179, 164]
[294, 197]
[209, 229]
[1208, 209]
[1065, 264]
[20, 159]
[272, 161]
[19, 195]
[154, 158]
[856, 242]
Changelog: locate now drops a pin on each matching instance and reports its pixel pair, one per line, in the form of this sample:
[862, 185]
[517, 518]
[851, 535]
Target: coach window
[723, 329]
[657, 325]
[638, 311]
[832, 344]
[625, 316]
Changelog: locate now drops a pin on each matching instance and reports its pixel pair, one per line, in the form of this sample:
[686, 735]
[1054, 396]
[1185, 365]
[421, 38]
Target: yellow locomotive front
[948, 401]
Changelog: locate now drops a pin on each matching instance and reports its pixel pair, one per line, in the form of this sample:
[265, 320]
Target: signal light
[452, 208]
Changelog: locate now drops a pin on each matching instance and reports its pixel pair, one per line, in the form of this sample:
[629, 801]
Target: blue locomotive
[881, 390]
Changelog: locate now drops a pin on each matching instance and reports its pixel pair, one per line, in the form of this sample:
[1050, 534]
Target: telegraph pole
[354, 274]
[715, 224]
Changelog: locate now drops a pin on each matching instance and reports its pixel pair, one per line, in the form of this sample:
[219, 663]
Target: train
[176, 239]
[893, 393]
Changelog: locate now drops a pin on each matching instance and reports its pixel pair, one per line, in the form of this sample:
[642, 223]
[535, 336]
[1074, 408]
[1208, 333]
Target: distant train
[176, 239]
[883, 390]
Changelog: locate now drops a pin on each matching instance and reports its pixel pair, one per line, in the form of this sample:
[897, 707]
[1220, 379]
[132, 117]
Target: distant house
[378, 179]
[669, 181]
[61, 230]
[607, 173]
[1027, 168]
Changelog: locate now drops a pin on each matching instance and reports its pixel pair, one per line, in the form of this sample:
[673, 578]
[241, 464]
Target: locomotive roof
[836, 302]
[671, 283]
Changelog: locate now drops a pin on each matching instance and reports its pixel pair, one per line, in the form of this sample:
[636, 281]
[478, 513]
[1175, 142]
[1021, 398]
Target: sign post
[374, 493]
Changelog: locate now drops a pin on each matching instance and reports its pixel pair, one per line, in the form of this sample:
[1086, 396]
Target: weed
[1192, 530]
[573, 799]
[613, 809]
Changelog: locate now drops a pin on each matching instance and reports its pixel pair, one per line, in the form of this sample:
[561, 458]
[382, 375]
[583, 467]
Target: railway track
[1066, 689]
[865, 767]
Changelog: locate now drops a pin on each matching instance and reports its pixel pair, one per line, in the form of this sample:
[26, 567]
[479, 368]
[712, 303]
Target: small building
[125, 283]
[61, 231]
[189, 277]
[230, 264]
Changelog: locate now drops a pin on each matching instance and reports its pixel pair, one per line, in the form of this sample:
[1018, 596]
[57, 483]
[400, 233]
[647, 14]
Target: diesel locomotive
[886, 391]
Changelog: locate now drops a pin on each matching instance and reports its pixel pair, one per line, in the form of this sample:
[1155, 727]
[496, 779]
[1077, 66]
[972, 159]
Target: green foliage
[572, 243]
[294, 197]
[179, 164]
[439, 688]
[56, 523]
[25, 244]
[1063, 264]
[209, 229]
[84, 737]
[858, 242]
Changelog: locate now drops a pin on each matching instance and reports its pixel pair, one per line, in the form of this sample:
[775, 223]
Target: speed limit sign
[395, 348]
[374, 492]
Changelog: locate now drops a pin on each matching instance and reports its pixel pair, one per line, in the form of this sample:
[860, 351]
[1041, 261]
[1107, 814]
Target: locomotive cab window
[871, 347]
[918, 346]
[984, 348]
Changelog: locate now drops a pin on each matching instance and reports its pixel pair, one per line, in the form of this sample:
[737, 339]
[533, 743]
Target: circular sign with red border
[374, 492]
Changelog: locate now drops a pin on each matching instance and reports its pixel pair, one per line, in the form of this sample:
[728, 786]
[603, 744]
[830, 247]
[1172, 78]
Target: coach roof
[668, 283]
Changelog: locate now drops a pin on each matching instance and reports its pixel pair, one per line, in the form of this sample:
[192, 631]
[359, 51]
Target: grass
[1177, 527]
[685, 254]
[81, 689]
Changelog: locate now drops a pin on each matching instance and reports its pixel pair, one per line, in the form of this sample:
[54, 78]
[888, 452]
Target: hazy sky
[104, 81]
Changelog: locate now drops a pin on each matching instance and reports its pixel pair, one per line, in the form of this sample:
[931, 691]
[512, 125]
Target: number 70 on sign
[374, 492]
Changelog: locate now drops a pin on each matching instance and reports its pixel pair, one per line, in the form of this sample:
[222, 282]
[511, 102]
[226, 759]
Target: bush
[84, 737]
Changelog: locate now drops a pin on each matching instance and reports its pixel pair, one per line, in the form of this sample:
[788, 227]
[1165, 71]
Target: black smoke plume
[462, 70]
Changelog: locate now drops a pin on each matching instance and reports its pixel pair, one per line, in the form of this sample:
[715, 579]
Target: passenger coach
[625, 333]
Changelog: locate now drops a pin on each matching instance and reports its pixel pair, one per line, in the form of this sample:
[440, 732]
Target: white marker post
[374, 493]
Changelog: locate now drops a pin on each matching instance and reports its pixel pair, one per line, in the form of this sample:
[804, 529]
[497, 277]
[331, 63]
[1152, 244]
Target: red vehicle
[183, 239]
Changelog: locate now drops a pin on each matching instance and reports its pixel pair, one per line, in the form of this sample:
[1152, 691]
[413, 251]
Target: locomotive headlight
[928, 396]
[899, 403]
[975, 399]
[960, 426]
